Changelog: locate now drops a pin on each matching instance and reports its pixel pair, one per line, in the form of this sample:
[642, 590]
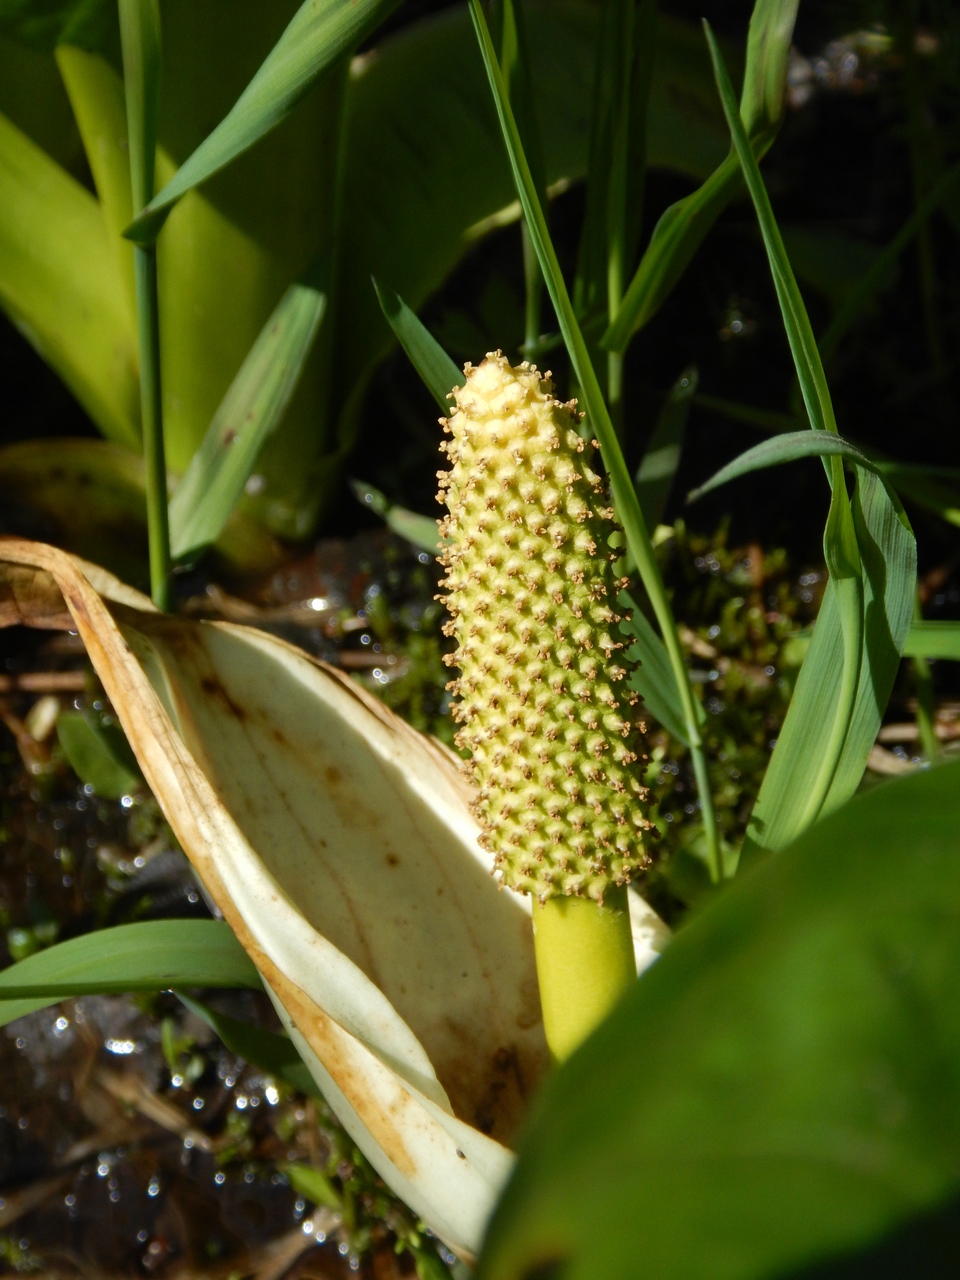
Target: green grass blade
[438, 372]
[511, 39]
[813, 381]
[151, 955]
[420, 530]
[267, 1050]
[661, 458]
[140, 39]
[684, 225]
[677, 236]
[782, 449]
[933, 640]
[888, 553]
[621, 485]
[870, 551]
[319, 35]
[252, 408]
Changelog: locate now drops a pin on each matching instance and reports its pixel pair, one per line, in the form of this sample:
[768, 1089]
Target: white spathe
[338, 843]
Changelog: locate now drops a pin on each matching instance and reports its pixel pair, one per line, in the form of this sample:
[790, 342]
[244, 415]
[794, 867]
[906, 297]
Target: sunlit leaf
[61, 285]
[252, 408]
[782, 1089]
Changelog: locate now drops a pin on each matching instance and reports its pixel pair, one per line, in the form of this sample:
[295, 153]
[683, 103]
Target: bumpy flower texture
[543, 698]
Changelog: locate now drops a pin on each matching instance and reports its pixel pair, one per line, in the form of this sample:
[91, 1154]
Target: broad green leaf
[98, 755]
[151, 955]
[340, 846]
[437, 371]
[782, 1088]
[97, 98]
[848, 673]
[683, 227]
[265, 1049]
[627, 507]
[661, 458]
[933, 640]
[420, 530]
[60, 284]
[427, 81]
[782, 449]
[320, 34]
[252, 408]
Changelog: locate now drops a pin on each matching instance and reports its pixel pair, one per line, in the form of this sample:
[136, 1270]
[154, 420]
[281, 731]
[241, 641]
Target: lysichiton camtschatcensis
[543, 698]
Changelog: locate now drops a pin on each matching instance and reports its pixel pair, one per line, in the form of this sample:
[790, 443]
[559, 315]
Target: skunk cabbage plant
[340, 846]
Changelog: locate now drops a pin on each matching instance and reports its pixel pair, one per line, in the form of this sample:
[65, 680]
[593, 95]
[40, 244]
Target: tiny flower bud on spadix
[544, 703]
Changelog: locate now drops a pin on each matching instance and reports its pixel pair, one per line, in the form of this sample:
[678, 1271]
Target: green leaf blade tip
[545, 706]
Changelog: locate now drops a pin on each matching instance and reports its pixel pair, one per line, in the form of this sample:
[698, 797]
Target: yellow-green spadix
[543, 699]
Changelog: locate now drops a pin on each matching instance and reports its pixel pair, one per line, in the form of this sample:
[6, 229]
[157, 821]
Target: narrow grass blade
[658, 467]
[511, 39]
[870, 550]
[621, 485]
[151, 955]
[140, 39]
[933, 640]
[617, 157]
[320, 33]
[252, 408]
[420, 530]
[439, 373]
[813, 382]
[783, 449]
[267, 1050]
[684, 225]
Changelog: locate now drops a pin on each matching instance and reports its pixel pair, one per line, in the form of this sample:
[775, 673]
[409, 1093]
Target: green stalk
[926, 711]
[140, 37]
[621, 483]
[585, 961]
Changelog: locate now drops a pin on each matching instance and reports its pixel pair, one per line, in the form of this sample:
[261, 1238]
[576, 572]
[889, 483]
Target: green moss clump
[544, 702]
